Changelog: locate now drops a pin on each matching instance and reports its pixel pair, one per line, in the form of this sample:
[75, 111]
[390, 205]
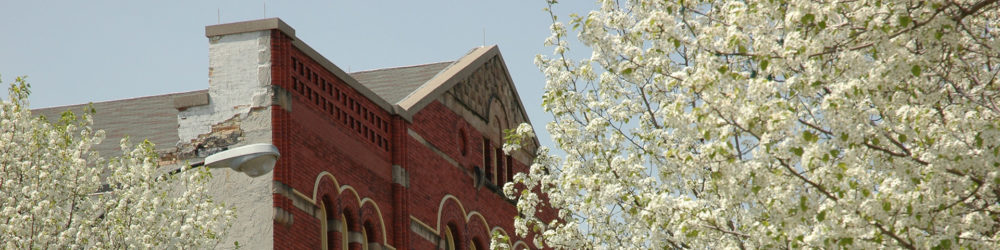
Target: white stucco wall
[239, 70]
[240, 94]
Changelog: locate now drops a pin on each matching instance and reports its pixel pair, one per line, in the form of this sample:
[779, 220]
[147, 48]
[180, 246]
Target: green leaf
[764, 64]
[809, 136]
[821, 216]
[627, 71]
[692, 234]
[904, 20]
[886, 206]
[802, 203]
[822, 24]
[797, 151]
[944, 244]
[902, 138]
[845, 241]
[807, 18]
[915, 70]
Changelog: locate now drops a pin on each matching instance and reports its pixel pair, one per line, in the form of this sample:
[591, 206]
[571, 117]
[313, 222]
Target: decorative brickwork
[322, 91]
[487, 84]
[489, 95]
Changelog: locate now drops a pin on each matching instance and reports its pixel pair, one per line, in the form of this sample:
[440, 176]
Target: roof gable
[485, 65]
[478, 84]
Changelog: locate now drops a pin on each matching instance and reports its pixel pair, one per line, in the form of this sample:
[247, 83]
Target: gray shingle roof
[394, 84]
[155, 117]
[152, 117]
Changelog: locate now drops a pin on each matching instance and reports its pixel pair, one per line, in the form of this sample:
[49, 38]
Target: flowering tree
[771, 124]
[56, 192]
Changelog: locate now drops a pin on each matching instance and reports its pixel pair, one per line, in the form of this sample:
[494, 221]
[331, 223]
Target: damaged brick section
[221, 136]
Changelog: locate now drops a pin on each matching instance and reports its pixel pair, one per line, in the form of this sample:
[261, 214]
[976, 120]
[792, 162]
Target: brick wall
[338, 155]
[433, 178]
[327, 126]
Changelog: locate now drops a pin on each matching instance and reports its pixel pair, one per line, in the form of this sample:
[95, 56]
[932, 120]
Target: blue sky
[90, 51]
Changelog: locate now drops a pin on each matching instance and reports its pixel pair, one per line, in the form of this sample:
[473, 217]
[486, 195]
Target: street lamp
[253, 160]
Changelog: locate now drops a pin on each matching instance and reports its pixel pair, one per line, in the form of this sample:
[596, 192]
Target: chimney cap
[249, 26]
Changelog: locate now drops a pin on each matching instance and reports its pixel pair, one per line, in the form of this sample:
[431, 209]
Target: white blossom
[769, 124]
[57, 192]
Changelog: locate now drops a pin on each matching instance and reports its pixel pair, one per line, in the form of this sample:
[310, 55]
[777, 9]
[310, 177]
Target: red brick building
[396, 158]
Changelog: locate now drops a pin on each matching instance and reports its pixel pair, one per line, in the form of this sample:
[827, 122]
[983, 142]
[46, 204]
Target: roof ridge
[402, 67]
[124, 100]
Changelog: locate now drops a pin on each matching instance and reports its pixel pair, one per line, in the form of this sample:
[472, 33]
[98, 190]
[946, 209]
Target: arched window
[345, 226]
[332, 228]
[364, 241]
[344, 242]
[477, 244]
[451, 238]
[324, 228]
[369, 233]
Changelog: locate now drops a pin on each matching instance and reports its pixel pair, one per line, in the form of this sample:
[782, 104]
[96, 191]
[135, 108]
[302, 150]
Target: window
[487, 160]
[345, 241]
[364, 234]
[449, 239]
[369, 232]
[463, 142]
[324, 227]
[477, 244]
[510, 168]
[500, 167]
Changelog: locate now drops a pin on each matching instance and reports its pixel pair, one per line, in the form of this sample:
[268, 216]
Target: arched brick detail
[462, 139]
[476, 228]
[349, 207]
[450, 209]
[451, 212]
[497, 117]
[371, 214]
[326, 188]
